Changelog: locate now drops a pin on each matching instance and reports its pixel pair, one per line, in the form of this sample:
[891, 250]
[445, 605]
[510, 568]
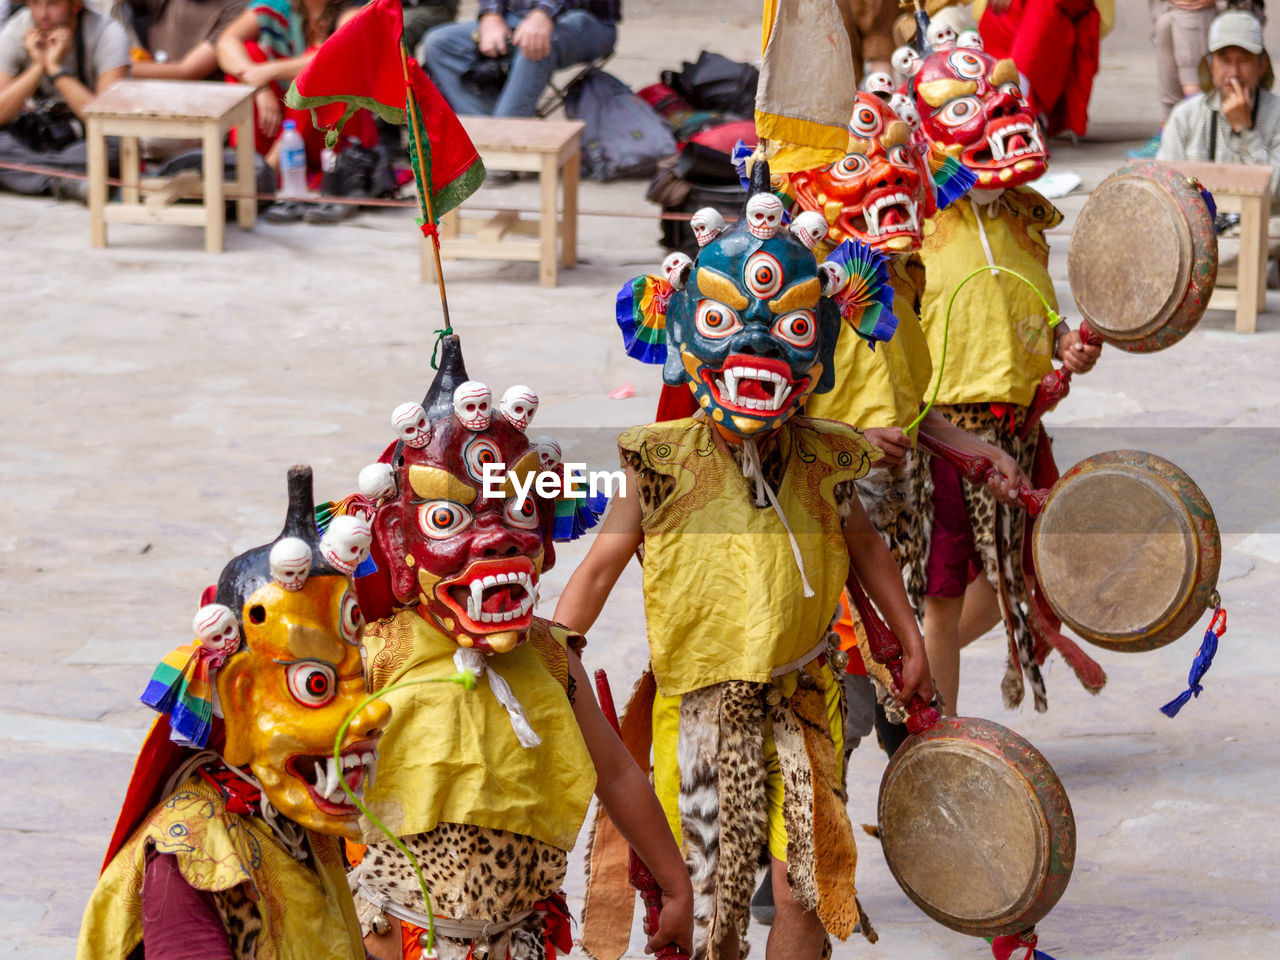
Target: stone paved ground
[153, 397]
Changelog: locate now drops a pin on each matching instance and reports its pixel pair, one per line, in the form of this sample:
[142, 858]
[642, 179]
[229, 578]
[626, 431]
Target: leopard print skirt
[472, 873]
[997, 536]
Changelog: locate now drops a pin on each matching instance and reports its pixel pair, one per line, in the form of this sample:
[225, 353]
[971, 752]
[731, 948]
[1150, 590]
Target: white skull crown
[764, 215]
[376, 482]
[810, 227]
[906, 61]
[941, 35]
[878, 83]
[346, 543]
[833, 277]
[969, 39]
[518, 405]
[290, 562]
[215, 626]
[410, 421]
[549, 453]
[676, 268]
[707, 224]
[472, 403]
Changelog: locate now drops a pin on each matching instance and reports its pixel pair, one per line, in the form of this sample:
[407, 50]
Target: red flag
[359, 66]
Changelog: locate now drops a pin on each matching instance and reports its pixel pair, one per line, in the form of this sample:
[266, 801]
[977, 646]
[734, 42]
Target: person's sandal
[285, 211]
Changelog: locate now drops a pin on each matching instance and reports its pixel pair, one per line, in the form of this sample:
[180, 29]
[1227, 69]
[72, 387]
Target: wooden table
[171, 109]
[549, 148]
[1244, 189]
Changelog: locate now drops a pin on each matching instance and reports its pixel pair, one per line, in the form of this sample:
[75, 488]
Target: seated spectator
[58, 56]
[1236, 119]
[266, 47]
[500, 65]
[421, 15]
[180, 36]
[1180, 32]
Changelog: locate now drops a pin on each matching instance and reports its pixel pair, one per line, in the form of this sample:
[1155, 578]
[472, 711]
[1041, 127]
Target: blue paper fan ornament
[642, 317]
[953, 179]
[576, 515]
[865, 298]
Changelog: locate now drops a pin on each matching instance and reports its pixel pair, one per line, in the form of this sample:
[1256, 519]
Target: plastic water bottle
[293, 162]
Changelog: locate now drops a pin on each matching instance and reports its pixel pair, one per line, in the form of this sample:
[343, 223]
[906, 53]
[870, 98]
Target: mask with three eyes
[297, 674]
[972, 108]
[750, 332]
[470, 562]
[880, 192]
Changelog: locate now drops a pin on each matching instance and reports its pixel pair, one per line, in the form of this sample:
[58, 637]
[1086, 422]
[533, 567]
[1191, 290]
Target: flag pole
[414, 120]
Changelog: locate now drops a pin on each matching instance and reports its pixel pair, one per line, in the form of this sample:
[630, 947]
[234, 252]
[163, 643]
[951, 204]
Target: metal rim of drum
[1106, 282]
[939, 847]
[1080, 578]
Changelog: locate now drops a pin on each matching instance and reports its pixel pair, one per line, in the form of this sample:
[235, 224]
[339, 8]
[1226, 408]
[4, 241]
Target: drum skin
[1143, 257]
[976, 826]
[1127, 550]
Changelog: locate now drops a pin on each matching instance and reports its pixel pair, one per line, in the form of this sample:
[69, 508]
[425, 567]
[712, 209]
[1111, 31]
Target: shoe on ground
[499, 178]
[285, 211]
[74, 190]
[330, 212]
[762, 909]
[1147, 151]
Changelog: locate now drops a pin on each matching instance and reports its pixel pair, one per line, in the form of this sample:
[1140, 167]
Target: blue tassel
[1200, 665]
[1209, 202]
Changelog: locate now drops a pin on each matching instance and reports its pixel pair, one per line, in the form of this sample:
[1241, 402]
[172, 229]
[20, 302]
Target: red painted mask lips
[323, 777]
[1007, 141]
[492, 595]
[757, 385]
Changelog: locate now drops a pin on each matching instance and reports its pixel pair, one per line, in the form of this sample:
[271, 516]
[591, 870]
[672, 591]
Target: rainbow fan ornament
[576, 515]
[182, 688]
[642, 317]
[951, 177]
[864, 295]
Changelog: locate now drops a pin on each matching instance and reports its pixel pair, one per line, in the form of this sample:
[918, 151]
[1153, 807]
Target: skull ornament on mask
[764, 215]
[941, 36]
[676, 269]
[878, 83]
[346, 543]
[518, 405]
[878, 193]
[377, 481]
[290, 562]
[751, 334]
[969, 40]
[296, 679]
[906, 61]
[216, 628]
[471, 403]
[809, 227]
[707, 224]
[410, 421]
[467, 558]
[549, 453]
[972, 109]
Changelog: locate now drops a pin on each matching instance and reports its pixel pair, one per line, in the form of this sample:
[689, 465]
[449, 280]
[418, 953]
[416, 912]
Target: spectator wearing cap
[1236, 119]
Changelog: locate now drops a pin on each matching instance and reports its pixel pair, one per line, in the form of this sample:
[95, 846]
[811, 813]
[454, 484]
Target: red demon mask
[471, 561]
[880, 191]
[972, 108]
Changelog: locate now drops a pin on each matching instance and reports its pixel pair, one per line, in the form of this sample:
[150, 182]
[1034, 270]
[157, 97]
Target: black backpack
[623, 136]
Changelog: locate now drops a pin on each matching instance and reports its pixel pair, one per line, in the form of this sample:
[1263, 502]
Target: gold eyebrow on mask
[1005, 71]
[719, 287]
[801, 296]
[937, 92]
[431, 483]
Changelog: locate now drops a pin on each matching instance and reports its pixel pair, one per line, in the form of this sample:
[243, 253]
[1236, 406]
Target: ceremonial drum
[976, 827]
[1143, 257]
[1127, 550]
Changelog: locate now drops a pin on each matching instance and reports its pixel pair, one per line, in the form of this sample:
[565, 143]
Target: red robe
[1055, 46]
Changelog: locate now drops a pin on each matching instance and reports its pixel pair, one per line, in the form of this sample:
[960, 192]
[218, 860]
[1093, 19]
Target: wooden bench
[170, 109]
[549, 148]
[1244, 189]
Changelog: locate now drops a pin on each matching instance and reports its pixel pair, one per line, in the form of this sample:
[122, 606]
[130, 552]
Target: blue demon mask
[751, 333]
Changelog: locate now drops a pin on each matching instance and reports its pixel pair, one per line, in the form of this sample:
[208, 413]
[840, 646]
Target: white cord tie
[752, 471]
[468, 658]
